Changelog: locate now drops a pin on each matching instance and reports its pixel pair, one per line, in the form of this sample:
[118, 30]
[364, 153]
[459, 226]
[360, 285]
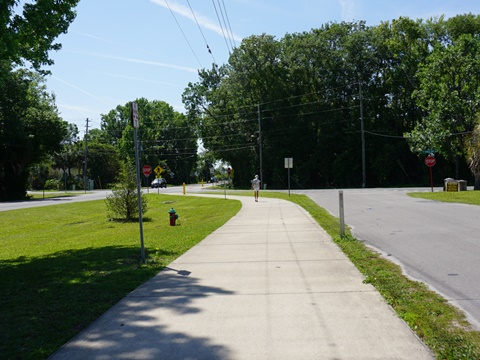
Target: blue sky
[119, 50]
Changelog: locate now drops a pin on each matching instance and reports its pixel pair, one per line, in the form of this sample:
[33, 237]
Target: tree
[28, 36]
[449, 94]
[30, 129]
[166, 138]
[103, 164]
[473, 155]
[113, 125]
[69, 155]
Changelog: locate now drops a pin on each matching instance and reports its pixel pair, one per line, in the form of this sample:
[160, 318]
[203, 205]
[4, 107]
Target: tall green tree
[449, 94]
[104, 164]
[30, 129]
[27, 35]
[68, 157]
[113, 124]
[166, 138]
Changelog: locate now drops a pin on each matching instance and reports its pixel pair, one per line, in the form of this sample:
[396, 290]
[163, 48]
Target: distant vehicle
[159, 183]
[213, 179]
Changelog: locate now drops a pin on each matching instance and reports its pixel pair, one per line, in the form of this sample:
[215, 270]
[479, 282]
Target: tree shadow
[133, 328]
[46, 301]
[38, 199]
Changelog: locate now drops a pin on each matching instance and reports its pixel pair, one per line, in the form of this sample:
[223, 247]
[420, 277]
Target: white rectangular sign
[288, 163]
[134, 107]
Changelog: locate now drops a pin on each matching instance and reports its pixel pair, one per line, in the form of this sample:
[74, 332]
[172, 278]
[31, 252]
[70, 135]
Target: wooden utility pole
[85, 161]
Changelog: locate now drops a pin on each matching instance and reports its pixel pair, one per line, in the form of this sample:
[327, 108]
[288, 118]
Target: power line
[194, 54]
[221, 26]
[228, 21]
[225, 23]
[383, 135]
[199, 28]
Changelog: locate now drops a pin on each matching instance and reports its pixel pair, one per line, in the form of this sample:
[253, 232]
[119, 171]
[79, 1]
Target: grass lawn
[63, 266]
[463, 197]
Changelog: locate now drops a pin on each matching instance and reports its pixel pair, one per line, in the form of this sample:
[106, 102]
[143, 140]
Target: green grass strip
[462, 197]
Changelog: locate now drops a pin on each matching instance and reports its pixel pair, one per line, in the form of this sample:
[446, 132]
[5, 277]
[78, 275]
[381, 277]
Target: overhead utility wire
[312, 93]
[225, 23]
[199, 28]
[221, 26]
[194, 54]
[229, 26]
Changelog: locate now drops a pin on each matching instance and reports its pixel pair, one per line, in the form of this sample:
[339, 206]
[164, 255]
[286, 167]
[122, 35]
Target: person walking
[256, 187]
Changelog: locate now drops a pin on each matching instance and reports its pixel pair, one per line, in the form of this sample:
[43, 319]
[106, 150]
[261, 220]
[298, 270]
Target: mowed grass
[63, 266]
[462, 197]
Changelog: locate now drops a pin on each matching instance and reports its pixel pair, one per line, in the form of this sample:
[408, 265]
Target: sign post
[135, 124]
[288, 165]
[342, 213]
[147, 170]
[430, 161]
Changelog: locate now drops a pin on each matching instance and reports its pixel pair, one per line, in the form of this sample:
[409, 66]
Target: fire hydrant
[173, 216]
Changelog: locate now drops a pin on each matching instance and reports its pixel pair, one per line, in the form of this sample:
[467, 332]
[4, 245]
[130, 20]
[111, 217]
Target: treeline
[396, 90]
[165, 139]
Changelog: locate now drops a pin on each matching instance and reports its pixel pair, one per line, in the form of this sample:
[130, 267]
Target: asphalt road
[79, 196]
[435, 242]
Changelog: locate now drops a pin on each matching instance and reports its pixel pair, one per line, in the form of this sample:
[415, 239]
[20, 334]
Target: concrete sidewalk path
[269, 284]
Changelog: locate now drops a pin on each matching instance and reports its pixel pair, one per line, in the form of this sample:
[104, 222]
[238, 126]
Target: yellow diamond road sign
[158, 170]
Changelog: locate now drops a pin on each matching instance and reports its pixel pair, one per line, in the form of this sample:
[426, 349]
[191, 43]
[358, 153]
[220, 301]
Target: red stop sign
[147, 170]
[430, 160]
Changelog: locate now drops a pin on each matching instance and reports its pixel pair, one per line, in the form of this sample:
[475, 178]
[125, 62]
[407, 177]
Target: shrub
[53, 184]
[122, 204]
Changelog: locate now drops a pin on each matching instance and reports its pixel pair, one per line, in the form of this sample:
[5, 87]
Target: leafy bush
[53, 184]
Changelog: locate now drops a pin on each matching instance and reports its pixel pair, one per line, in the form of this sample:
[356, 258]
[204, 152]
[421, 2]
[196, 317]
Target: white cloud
[203, 21]
[137, 61]
[348, 9]
[78, 89]
[153, 81]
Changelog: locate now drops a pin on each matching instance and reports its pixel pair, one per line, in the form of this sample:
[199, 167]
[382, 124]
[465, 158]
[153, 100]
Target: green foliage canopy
[309, 91]
[29, 35]
[30, 126]
[167, 138]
